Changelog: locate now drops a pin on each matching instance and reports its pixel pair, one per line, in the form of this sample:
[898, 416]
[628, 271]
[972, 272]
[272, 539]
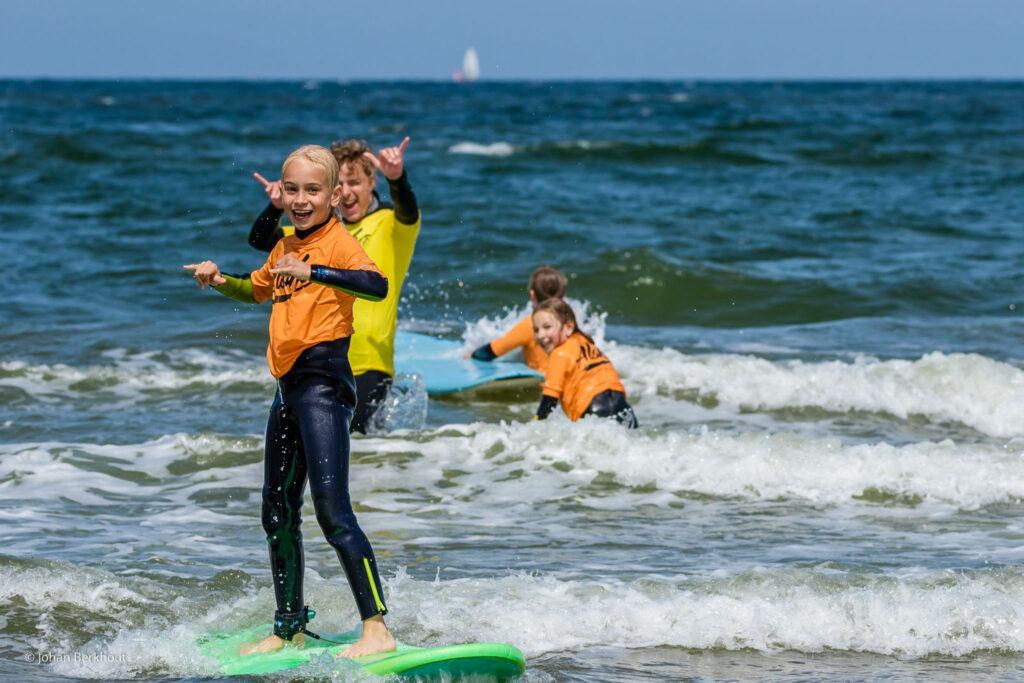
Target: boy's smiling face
[306, 197]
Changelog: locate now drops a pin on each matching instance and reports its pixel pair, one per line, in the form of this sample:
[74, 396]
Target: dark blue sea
[813, 293]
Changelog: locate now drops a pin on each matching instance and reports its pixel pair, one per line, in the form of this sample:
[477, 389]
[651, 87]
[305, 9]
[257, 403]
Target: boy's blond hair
[320, 157]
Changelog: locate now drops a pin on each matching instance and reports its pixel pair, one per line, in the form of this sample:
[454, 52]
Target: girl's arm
[547, 404]
[520, 335]
[484, 353]
[554, 383]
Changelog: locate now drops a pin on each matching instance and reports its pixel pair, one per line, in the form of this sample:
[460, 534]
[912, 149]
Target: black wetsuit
[609, 403]
[308, 438]
[371, 386]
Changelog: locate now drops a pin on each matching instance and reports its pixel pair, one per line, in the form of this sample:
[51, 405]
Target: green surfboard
[497, 661]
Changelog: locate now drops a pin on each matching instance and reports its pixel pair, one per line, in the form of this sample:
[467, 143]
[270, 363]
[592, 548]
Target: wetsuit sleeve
[364, 284]
[547, 404]
[407, 211]
[237, 287]
[265, 232]
[351, 271]
[484, 353]
[520, 335]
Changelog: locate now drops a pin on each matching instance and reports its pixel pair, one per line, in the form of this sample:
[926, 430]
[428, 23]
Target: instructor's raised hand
[390, 161]
[206, 274]
[273, 190]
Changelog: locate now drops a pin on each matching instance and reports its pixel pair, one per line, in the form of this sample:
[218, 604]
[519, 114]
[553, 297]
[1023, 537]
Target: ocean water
[812, 292]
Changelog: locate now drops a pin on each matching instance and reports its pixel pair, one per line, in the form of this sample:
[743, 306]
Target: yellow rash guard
[390, 245]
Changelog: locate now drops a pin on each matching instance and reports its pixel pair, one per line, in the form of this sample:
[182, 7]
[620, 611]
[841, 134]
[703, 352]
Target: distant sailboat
[470, 68]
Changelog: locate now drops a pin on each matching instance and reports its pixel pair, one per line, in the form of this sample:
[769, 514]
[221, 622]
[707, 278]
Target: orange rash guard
[577, 372]
[306, 313]
[522, 335]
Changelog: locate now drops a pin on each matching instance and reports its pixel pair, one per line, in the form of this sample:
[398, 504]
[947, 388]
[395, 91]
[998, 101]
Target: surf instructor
[387, 232]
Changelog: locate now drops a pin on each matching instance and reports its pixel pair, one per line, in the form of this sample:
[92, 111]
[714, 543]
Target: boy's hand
[273, 190]
[390, 160]
[206, 273]
[289, 265]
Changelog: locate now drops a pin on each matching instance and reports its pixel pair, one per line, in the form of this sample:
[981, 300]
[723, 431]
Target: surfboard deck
[439, 363]
[494, 661]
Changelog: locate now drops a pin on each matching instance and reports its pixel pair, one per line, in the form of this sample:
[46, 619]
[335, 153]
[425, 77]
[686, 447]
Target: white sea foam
[968, 389]
[556, 459]
[84, 472]
[911, 613]
[127, 375]
[494, 149]
[507, 466]
[43, 587]
[976, 391]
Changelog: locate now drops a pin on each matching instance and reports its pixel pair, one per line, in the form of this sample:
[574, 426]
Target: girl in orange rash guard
[545, 283]
[578, 373]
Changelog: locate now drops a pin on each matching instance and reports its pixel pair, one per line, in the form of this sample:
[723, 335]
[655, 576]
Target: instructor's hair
[351, 152]
[320, 157]
[547, 283]
[563, 313]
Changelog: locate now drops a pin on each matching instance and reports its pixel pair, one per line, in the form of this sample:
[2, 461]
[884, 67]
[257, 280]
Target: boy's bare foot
[271, 643]
[376, 638]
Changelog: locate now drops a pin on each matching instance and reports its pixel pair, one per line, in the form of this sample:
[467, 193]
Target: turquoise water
[812, 292]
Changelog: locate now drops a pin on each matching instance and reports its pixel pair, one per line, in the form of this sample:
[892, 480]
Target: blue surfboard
[439, 363]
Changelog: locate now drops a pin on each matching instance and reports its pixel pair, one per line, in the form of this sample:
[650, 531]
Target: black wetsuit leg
[372, 389]
[284, 481]
[307, 437]
[613, 404]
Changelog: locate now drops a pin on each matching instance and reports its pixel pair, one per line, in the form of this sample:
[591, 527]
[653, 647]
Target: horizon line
[558, 79]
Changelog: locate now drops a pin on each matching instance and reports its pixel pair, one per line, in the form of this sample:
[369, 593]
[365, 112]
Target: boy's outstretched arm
[207, 274]
[363, 284]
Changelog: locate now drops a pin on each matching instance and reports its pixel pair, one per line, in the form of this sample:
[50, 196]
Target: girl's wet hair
[547, 283]
[351, 152]
[563, 314]
[318, 156]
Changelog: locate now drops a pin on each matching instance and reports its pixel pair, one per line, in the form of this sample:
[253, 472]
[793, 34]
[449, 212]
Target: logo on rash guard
[286, 285]
[590, 352]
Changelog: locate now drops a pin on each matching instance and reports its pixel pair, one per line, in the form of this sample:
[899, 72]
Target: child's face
[356, 191]
[550, 331]
[306, 197]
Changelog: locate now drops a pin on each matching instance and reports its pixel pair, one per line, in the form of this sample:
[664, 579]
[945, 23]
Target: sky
[515, 39]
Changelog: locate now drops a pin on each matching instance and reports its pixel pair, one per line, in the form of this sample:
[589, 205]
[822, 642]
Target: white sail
[470, 65]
